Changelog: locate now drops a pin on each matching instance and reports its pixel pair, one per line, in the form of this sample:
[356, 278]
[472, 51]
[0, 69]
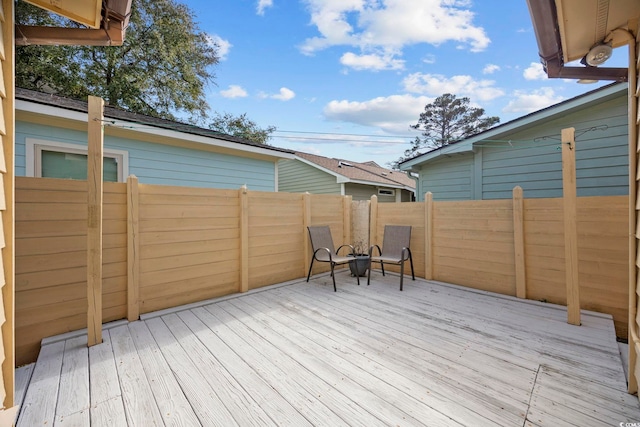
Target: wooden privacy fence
[167, 246]
[163, 247]
[516, 247]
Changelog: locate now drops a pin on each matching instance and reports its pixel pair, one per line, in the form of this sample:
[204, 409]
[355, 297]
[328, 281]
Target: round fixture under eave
[598, 54]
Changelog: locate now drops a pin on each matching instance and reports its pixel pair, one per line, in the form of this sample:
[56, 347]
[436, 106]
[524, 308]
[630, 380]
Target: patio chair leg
[334, 279]
[369, 273]
[310, 267]
[413, 276]
[382, 267]
[401, 273]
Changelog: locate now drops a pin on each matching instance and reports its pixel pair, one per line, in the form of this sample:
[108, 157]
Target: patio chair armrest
[315, 253]
[371, 250]
[353, 251]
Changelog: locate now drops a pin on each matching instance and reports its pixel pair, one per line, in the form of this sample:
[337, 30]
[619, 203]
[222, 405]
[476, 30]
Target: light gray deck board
[301, 354]
[23, 376]
[107, 408]
[39, 406]
[172, 403]
[137, 394]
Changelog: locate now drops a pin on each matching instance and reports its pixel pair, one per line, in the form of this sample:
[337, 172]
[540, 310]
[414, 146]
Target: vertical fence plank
[570, 225]
[133, 249]
[373, 218]
[428, 236]
[244, 239]
[94, 220]
[518, 242]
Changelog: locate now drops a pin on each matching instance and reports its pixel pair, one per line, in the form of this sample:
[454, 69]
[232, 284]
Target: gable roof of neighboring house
[536, 118]
[367, 173]
[44, 104]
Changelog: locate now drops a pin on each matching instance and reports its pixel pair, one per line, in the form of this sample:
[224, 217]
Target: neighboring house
[526, 152]
[322, 175]
[51, 141]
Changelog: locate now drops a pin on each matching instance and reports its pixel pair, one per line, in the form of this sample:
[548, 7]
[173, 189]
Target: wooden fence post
[346, 220]
[244, 239]
[428, 236]
[133, 249]
[94, 219]
[373, 221]
[518, 242]
[570, 225]
[306, 222]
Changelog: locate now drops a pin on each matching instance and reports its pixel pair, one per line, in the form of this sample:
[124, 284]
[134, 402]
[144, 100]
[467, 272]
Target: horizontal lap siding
[602, 254]
[189, 245]
[51, 259]
[163, 164]
[448, 179]
[295, 176]
[473, 244]
[275, 238]
[532, 158]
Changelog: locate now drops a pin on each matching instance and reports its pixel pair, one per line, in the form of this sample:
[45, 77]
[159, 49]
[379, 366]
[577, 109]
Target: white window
[386, 192]
[49, 159]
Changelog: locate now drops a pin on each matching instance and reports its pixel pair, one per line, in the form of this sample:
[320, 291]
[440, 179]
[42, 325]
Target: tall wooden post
[570, 225]
[428, 236]
[518, 242]
[94, 220]
[373, 221]
[133, 249]
[244, 239]
[306, 222]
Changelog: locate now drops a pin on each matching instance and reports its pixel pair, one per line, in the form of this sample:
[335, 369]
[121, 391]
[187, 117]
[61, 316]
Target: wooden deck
[302, 355]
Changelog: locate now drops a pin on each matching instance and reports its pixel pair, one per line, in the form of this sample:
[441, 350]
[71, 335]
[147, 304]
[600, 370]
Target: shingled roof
[365, 173]
[118, 114]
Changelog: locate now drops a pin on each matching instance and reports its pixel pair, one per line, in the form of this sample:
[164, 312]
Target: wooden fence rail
[165, 246]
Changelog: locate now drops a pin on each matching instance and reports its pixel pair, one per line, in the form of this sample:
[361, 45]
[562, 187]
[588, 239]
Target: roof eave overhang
[77, 116]
[545, 24]
[107, 28]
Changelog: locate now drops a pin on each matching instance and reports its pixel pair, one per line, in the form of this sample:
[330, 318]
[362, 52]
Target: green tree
[242, 127]
[446, 120]
[162, 68]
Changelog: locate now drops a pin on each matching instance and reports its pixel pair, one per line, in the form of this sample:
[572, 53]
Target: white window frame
[387, 192]
[34, 148]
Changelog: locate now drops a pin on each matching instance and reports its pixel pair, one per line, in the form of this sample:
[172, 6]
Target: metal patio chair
[323, 250]
[395, 250]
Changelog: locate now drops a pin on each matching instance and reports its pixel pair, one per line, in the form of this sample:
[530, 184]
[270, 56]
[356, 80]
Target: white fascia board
[382, 185]
[48, 110]
[516, 124]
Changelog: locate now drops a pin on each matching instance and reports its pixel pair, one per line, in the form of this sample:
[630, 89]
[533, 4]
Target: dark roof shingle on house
[118, 114]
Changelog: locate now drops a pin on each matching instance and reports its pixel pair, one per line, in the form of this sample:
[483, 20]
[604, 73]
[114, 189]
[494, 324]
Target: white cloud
[392, 24]
[262, 5]
[534, 72]
[222, 46]
[285, 94]
[490, 69]
[429, 59]
[392, 114]
[234, 91]
[372, 62]
[462, 85]
[528, 102]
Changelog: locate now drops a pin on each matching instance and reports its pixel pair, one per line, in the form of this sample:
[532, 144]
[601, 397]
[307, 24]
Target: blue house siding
[526, 152]
[155, 163]
[448, 179]
[535, 164]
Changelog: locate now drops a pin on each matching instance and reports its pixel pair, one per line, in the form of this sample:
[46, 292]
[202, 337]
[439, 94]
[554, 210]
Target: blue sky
[346, 78]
